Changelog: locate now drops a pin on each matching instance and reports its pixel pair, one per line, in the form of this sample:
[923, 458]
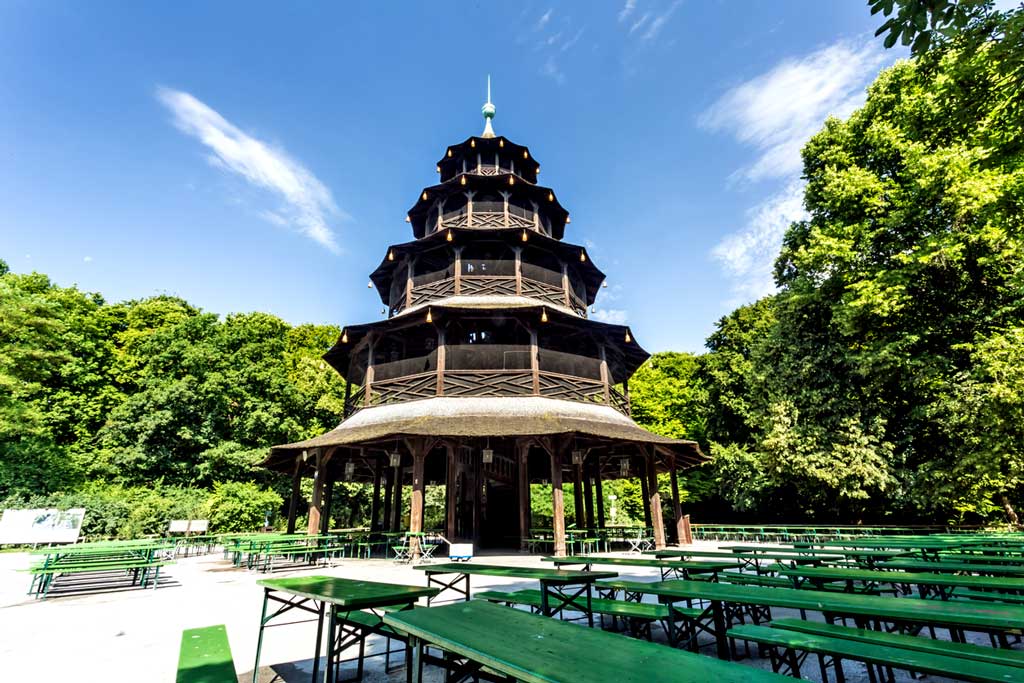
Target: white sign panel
[45, 525]
[188, 526]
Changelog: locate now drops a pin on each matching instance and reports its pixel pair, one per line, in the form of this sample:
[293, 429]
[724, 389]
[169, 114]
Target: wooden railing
[488, 383]
[493, 285]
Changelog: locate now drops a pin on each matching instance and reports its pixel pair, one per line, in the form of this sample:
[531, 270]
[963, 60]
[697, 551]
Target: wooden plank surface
[913, 578]
[539, 573]
[349, 592]
[205, 656]
[537, 649]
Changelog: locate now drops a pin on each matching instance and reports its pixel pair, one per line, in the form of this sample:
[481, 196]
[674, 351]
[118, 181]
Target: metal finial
[488, 112]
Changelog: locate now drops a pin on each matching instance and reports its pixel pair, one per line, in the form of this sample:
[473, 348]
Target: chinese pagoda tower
[487, 375]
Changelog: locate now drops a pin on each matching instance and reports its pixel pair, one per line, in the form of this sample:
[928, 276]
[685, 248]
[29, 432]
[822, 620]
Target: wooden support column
[375, 502]
[441, 360]
[368, 382]
[588, 496]
[408, 281]
[385, 511]
[646, 493]
[450, 484]
[534, 362]
[458, 271]
[347, 409]
[325, 518]
[677, 509]
[604, 377]
[519, 271]
[293, 503]
[657, 517]
[313, 527]
[577, 497]
[396, 501]
[469, 209]
[557, 505]
[565, 284]
[523, 490]
[599, 490]
[419, 457]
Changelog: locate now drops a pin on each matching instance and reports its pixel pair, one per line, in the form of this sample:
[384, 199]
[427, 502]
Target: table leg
[416, 665]
[319, 640]
[545, 606]
[722, 642]
[590, 608]
[259, 640]
[329, 673]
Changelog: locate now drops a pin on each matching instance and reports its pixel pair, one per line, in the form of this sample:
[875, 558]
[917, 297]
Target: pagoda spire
[488, 112]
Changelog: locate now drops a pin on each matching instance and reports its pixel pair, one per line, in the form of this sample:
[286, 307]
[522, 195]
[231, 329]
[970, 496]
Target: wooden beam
[557, 503]
[450, 485]
[458, 271]
[375, 502]
[368, 381]
[523, 490]
[519, 271]
[657, 519]
[565, 284]
[385, 511]
[677, 509]
[325, 518]
[419, 457]
[441, 360]
[588, 496]
[396, 500]
[293, 502]
[577, 497]
[313, 526]
[645, 492]
[534, 362]
[604, 376]
[599, 490]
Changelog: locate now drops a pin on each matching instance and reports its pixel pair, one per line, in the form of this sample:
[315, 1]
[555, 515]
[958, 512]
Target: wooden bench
[638, 616]
[206, 656]
[970, 651]
[44, 576]
[535, 649]
[831, 651]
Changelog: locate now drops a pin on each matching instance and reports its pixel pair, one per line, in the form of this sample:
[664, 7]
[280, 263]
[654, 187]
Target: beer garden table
[676, 569]
[928, 583]
[553, 582]
[317, 594]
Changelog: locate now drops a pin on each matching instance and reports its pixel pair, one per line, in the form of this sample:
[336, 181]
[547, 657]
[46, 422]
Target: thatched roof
[487, 417]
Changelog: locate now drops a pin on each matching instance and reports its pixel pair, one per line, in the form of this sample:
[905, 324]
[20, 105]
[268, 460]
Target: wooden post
[293, 503]
[368, 381]
[347, 408]
[449, 492]
[599, 490]
[325, 518]
[577, 497]
[557, 502]
[588, 497]
[523, 489]
[604, 377]
[441, 360]
[318, 485]
[396, 501]
[646, 493]
[519, 271]
[385, 510]
[375, 503]
[409, 262]
[565, 284]
[458, 271]
[419, 457]
[677, 509]
[657, 517]
[534, 362]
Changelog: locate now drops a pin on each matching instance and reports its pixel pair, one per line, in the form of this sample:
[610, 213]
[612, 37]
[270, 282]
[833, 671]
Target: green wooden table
[929, 584]
[746, 559]
[863, 608]
[559, 587]
[532, 649]
[676, 569]
[953, 567]
[317, 594]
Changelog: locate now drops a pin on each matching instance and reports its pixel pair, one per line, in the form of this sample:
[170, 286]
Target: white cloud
[627, 9]
[638, 24]
[307, 203]
[748, 256]
[612, 316]
[544, 19]
[654, 28]
[87, 259]
[572, 41]
[551, 69]
[777, 111]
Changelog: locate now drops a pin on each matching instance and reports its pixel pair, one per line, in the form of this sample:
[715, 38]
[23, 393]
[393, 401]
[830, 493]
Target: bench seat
[876, 654]
[206, 656]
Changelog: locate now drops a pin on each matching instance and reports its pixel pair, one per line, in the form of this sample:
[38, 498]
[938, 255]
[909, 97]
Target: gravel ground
[130, 634]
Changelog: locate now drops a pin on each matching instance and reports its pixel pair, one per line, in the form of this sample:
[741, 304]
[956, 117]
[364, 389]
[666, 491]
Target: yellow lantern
[543, 315]
[430, 318]
[391, 255]
[344, 336]
[424, 195]
[525, 236]
[449, 237]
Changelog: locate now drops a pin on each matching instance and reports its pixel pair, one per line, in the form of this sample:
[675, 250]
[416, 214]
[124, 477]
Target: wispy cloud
[748, 256]
[777, 111]
[544, 19]
[567, 45]
[307, 204]
[551, 69]
[613, 316]
[87, 259]
[654, 28]
[627, 9]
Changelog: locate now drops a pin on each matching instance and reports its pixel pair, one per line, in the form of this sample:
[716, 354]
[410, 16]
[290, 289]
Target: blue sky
[258, 156]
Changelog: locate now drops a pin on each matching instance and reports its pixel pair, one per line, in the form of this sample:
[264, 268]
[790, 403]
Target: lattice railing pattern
[433, 290]
[488, 383]
[423, 385]
[619, 401]
[543, 291]
[554, 385]
[355, 401]
[488, 284]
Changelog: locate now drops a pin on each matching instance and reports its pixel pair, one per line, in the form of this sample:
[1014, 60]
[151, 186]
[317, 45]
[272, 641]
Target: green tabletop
[913, 578]
[788, 550]
[536, 649]
[962, 614]
[981, 557]
[748, 557]
[349, 593]
[641, 562]
[944, 567]
[539, 573]
[205, 656]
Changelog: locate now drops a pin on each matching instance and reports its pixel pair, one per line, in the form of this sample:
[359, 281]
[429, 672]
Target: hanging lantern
[624, 467]
[449, 237]
[408, 220]
[383, 310]
[344, 336]
[501, 142]
[526, 155]
[593, 310]
[395, 458]
[525, 236]
[511, 180]
[449, 153]
[568, 219]
[424, 195]
[604, 284]
[430, 318]
[391, 252]
[488, 456]
[350, 469]
[583, 256]
[551, 196]
[543, 315]
[369, 285]
[628, 338]
[462, 180]
[577, 457]
[438, 169]
[305, 456]
[537, 171]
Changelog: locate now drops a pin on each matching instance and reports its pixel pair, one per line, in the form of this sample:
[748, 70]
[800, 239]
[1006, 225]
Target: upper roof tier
[488, 156]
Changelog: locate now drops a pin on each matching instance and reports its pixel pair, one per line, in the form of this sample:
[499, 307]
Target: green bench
[831, 651]
[43, 577]
[206, 656]
[638, 616]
